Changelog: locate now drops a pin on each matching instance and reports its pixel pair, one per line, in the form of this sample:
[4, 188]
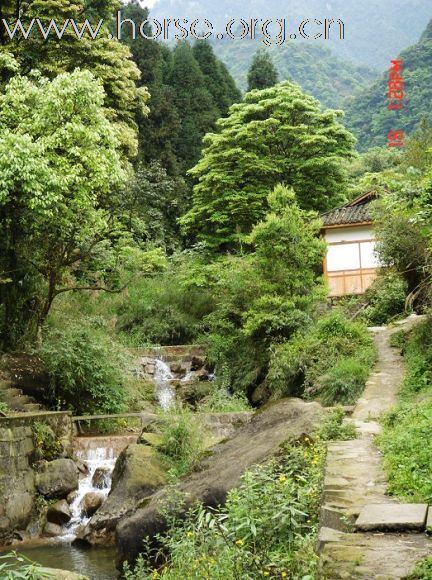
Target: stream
[97, 453]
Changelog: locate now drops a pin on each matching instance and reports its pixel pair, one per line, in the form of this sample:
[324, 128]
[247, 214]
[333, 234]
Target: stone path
[355, 478]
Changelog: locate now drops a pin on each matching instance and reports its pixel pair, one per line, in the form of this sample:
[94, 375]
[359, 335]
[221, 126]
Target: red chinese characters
[395, 94]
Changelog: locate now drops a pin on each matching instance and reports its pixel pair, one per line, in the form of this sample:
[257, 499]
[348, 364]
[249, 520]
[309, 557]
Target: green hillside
[314, 67]
[367, 114]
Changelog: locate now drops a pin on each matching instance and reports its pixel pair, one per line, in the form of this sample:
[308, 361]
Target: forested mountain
[375, 30]
[313, 66]
[190, 88]
[368, 115]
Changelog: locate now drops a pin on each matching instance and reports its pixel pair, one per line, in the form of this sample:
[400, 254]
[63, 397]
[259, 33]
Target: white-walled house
[350, 265]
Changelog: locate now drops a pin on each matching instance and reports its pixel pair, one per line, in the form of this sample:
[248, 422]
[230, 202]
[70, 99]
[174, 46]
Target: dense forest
[146, 199]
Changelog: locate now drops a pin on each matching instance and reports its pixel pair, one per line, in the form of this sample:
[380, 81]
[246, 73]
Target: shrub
[46, 443]
[300, 365]
[182, 443]
[267, 528]
[334, 427]
[86, 368]
[407, 457]
[386, 299]
[343, 383]
[221, 401]
[164, 309]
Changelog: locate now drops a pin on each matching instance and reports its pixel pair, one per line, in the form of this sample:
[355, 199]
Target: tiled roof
[356, 212]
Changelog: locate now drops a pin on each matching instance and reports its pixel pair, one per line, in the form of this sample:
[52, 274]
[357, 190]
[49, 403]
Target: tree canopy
[262, 72]
[277, 135]
[60, 157]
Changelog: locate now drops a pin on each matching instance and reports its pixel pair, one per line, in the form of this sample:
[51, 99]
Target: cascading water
[101, 458]
[99, 454]
[165, 392]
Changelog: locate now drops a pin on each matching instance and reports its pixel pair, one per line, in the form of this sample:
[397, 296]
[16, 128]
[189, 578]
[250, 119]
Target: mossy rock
[151, 439]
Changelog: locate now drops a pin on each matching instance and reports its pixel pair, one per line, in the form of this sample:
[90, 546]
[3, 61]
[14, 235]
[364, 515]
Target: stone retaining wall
[17, 476]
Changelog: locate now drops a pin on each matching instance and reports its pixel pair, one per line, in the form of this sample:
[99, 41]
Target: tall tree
[218, 80]
[278, 135]
[159, 129]
[108, 60]
[196, 107]
[60, 158]
[262, 72]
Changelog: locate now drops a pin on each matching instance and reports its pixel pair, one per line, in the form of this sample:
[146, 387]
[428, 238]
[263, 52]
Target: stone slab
[392, 517]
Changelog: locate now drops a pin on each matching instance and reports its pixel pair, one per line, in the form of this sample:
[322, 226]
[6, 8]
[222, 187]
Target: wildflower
[282, 479]
[266, 573]
[189, 534]
[284, 574]
[239, 542]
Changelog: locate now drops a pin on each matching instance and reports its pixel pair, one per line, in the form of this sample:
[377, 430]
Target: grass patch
[330, 362]
[182, 441]
[334, 427]
[405, 441]
[423, 570]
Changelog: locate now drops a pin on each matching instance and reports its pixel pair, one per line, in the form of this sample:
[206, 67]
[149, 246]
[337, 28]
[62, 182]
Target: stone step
[395, 517]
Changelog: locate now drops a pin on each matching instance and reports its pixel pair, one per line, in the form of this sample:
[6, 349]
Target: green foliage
[14, 566]
[267, 296]
[418, 149]
[267, 528]
[150, 204]
[278, 135]
[195, 105]
[46, 443]
[262, 72]
[217, 78]
[3, 407]
[343, 383]
[312, 65]
[108, 61]
[385, 299]
[335, 428]
[86, 368]
[221, 401]
[182, 441]
[423, 570]
[334, 349]
[163, 309]
[407, 459]
[59, 159]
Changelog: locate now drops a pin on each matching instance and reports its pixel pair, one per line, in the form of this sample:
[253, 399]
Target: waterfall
[165, 392]
[96, 453]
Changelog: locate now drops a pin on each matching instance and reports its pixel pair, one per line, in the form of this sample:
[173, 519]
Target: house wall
[351, 264]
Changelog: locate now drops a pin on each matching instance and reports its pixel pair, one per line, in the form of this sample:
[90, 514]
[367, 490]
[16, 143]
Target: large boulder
[91, 502]
[138, 473]
[253, 443]
[52, 530]
[57, 478]
[59, 513]
[101, 478]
